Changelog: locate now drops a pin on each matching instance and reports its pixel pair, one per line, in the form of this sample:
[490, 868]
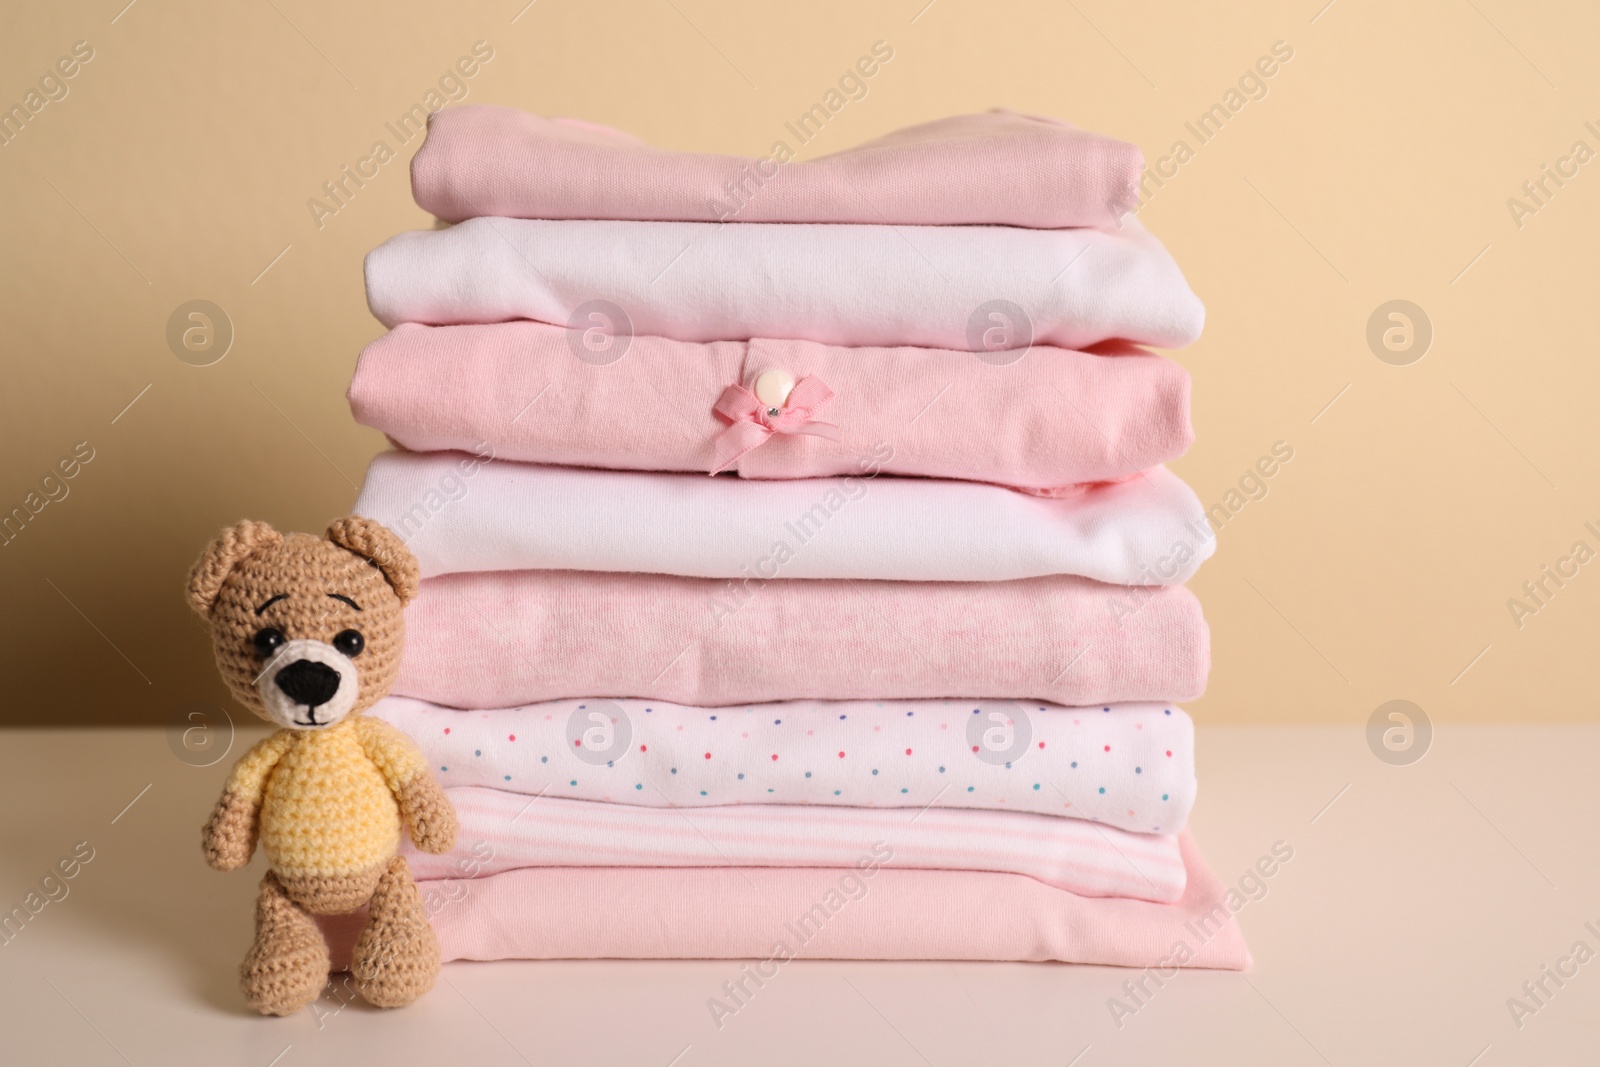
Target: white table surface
[1416, 904]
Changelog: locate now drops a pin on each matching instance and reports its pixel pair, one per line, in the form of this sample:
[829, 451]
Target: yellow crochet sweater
[327, 797]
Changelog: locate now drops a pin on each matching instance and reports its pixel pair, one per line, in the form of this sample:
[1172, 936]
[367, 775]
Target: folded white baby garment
[1126, 765]
[462, 513]
[961, 287]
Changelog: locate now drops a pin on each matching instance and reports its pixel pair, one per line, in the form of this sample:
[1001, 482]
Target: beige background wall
[1377, 167]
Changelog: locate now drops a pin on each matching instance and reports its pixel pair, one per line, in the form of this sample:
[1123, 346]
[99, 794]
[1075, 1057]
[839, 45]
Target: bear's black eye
[350, 642]
[268, 641]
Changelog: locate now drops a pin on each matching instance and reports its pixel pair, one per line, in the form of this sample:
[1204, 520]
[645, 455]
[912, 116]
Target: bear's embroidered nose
[308, 682]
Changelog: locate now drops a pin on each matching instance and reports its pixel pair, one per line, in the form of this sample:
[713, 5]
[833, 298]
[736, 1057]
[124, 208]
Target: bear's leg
[287, 966]
[396, 958]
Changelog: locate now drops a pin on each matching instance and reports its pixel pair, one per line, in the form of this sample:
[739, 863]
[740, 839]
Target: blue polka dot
[941, 770]
[1166, 711]
[573, 782]
[674, 770]
[1163, 796]
[648, 710]
[508, 778]
[1074, 763]
[909, 714]
[808, 774]
[769, 790]
[777, 722]
[741, 776]
[1102, 789]
[638, 785]
[836, 792]
[544, 759]
[444, 768]
[905, 790]
[874, 770]
[702, 792]
[1036, 785]
[611, 763]
[969, 788]
[1105, 709]
[1138, 770]
[844, 716]
[1008, 766]
[713, 718]
[477, 752]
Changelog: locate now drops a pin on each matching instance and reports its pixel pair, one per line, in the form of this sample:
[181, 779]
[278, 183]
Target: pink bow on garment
[751, 423]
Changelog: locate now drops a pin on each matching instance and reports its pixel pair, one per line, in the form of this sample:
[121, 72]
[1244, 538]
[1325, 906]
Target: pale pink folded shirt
[1053, 418]
[503, 831]
[498, 639]
[1000, 167]
[871, 911]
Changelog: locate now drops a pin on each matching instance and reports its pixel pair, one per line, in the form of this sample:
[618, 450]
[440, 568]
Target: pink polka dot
[774, 755]
[708, 755]
[908, 752]
[1108, 748]
[841, 755]
[680, 726]
[811, 733]
[1075, 722]
[1041, 744]
[513, 737]
[447, 729]
[1169, 751]
[644, 748]
[577, 742]
[745, 734]
[974, 748]
[944, 726]
[875, 729]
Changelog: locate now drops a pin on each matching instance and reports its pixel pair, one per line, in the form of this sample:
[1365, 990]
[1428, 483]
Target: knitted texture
[326, 803]
[288, 964]
[396, 958]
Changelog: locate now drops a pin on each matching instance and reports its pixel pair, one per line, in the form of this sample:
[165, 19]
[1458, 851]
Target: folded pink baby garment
[459, 513]
[987, 289]
[1125, 765]
[503, 831]
[1051, 419]
[872, 911]
[496, 639]
[1001, 167]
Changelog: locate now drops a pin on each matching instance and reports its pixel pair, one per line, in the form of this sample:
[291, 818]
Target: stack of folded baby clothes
[898, 683]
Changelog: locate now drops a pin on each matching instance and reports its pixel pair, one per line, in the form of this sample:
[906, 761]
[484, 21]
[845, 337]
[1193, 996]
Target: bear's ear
[218, 561]
[376, 543]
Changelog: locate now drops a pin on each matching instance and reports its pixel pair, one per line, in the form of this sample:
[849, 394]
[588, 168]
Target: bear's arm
[427, 811]
[229, 837]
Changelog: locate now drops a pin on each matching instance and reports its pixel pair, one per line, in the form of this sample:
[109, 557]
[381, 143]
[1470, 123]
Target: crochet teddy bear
[307, 632]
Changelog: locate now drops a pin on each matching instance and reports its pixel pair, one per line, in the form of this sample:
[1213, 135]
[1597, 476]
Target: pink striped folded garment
[1050, 419]
[1001, 167]
[503, 831]
[501, 638]
[870, 911]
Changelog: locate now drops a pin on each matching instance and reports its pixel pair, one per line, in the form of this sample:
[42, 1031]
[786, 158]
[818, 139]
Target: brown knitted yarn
[375, 542]
[306, 572]
[287, 966]
[396, 959]
[231, 546]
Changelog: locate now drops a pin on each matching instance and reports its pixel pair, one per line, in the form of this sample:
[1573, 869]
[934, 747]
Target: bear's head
[307, 630]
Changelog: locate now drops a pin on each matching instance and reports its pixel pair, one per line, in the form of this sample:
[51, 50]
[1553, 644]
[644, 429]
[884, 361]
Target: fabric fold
[987, 289]
[502, 831]
[1130, 766]
[1049, 420]
[460, 513]
[1001, 168]
[497, 639]
[870, 911]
